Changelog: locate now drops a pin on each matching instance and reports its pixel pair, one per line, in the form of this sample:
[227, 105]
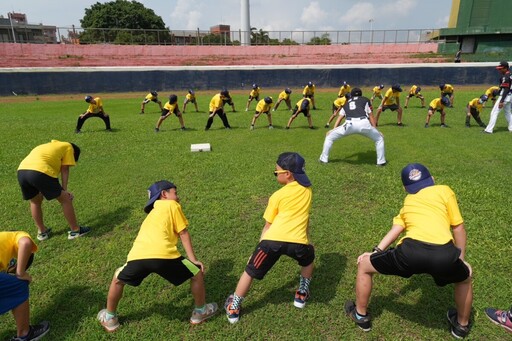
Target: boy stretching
[433, 242]
[154, 251]
[285, 233]
[14, 283]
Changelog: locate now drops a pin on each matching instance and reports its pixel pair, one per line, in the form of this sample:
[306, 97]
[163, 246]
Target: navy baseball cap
[294, 163]
[154, 193]
[415, 177]
[503, 65]
[396, 87]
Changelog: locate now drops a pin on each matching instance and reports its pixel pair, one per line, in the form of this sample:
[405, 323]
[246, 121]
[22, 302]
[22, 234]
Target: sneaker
[287, 127]
[312, 127]
[382, 164]
[81, 231]
[300, 299]
[405, 107]
[111, 324]
[77, 131]
[273, 109]
[270, 127]
[426, 125]
[35, 332]
[44, 235]
[252, 128]
[468, 125]
[109, 129]
[183, 128]
[499, 317]
[364, 323]
[486, 132]
[210, 310]
[326, 126]
[322, 162]
[157, 130]
[233, 315]
[246, 109]
[457, 330]
[443, 125]
[141, 113]
[400, 124]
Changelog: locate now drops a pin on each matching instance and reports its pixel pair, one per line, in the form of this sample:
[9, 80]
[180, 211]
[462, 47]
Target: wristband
[376, 249]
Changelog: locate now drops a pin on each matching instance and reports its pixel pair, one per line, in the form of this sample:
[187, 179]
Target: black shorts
[411, 257]
[165, 112]
[474, 111]
[256, 97]
[267, 253]
[33, 182]
[301, 111]
[308, 96]
[434, 110]
[391, 107]
[176, 270]
[334, 107]
[189, 100]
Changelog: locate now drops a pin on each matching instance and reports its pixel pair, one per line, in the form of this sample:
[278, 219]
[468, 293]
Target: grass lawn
[224, 194]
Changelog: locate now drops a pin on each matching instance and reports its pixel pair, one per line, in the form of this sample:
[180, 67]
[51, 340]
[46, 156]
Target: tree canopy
[122, 21]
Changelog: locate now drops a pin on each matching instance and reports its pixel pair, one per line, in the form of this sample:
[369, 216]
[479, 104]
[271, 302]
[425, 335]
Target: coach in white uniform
[359, 120]
[504, 100]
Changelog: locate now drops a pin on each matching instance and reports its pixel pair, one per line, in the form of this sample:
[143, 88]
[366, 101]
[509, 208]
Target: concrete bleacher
[68, 55]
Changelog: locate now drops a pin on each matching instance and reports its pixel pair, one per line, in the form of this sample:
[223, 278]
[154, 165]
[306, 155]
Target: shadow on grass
[430, 307]
[67, 308]
[327, 276]
[105, 222]
[367, 157]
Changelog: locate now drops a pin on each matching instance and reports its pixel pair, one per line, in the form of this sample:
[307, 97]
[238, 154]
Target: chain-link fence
[76, 35]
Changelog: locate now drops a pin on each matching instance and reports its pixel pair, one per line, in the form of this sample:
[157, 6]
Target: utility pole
[245, 23]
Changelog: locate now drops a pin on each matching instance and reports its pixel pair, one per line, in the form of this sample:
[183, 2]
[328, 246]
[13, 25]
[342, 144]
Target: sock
[200, 310]
[359, 316]
[109, 315]
[237, 301]
[304, 284]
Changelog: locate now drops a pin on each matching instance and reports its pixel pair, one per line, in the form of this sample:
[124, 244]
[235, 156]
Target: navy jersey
[357, 107]
[505, 82]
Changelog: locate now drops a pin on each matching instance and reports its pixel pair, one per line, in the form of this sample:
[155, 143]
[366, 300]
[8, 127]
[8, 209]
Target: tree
[123, 22]
[288, 41]
[323, 40]
[259, 37]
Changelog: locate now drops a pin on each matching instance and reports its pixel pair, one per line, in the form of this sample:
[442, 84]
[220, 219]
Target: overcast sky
[269, 15]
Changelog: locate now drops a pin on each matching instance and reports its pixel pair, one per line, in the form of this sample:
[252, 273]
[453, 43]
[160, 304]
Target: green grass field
[224, 194]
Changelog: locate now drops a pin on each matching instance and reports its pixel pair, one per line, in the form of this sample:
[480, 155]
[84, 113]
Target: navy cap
[396, 87]
[503, 65]
[154, 193]
[415, 177]
[294, 163]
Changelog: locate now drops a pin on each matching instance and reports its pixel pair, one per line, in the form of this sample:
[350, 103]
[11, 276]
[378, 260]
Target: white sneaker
[111, 324]
[210, 310]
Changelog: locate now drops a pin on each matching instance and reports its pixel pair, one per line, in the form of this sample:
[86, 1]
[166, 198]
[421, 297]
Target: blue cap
[415, 177]
[88, 99]
[154, 193]
[294, 163]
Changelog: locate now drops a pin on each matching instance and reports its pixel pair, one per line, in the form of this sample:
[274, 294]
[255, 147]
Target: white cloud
[312, 15]
[357, 17]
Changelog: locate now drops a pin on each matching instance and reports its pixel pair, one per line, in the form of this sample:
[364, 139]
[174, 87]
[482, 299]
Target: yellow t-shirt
[344, 89]
[288, 212]
[262, 106]
[448, 89]
[158, 234]
[283, 95]
[474, 103]
[190, 97]
[391, 97]
[339, 102]
[216, 102]
[309, 90]
[49, 157]
[255, 92]
[171, 107]
[9, 247]
[489, 91]
[436, 104]
[428, 215]
[412, 92]
[377, 91]
[95, 108]
[150, 97]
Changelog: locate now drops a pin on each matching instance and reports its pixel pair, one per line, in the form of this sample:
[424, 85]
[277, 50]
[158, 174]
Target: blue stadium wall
[42, 81]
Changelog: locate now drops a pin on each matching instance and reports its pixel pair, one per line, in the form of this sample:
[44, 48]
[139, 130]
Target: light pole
[371, 20]
[12, 28]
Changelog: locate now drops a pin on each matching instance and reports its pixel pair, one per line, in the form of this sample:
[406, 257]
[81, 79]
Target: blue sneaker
[233, 315]
[81, 231]
[35, 332]
[300, 299]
